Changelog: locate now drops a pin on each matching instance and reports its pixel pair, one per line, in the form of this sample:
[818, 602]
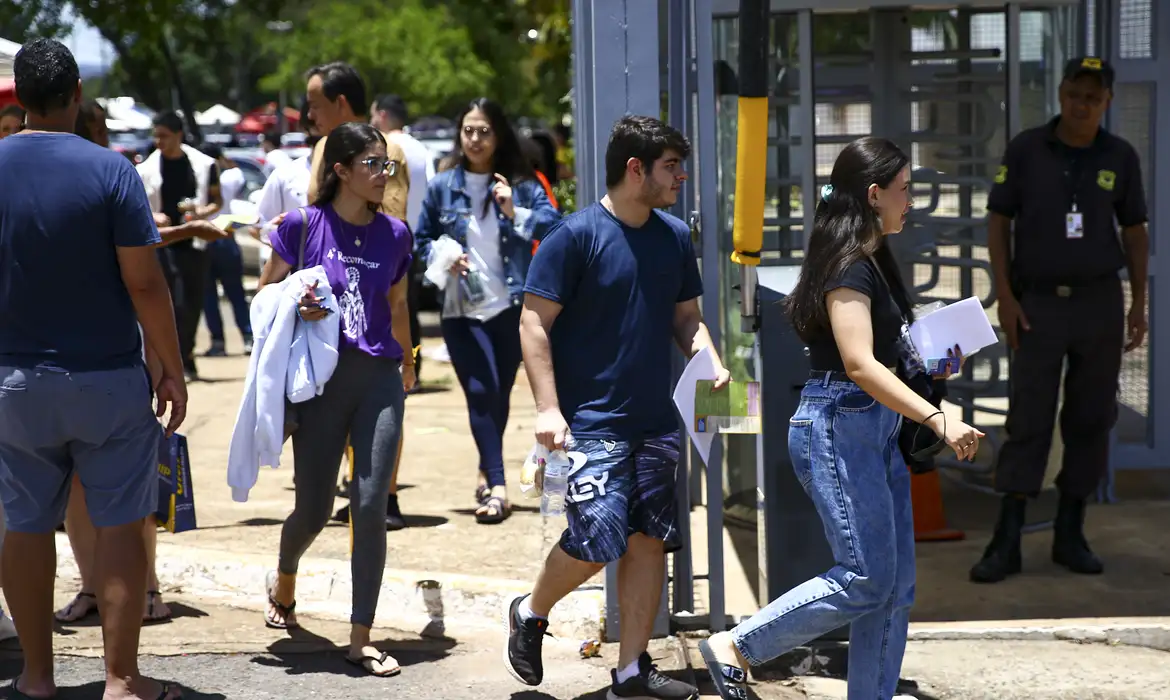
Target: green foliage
[28, 19]
[566, 194]
[404, 47]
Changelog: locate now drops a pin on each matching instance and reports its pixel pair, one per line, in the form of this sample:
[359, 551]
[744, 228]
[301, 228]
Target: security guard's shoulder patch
[1106, 179]
[1001, 175]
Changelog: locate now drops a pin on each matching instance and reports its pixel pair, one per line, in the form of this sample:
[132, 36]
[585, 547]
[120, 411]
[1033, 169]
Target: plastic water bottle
[556, 483]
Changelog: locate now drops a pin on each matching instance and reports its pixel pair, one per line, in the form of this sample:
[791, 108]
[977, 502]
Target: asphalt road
[434, 673]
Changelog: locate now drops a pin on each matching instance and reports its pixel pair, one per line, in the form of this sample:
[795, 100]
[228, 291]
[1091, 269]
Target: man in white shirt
[275, 157]
[388, 114]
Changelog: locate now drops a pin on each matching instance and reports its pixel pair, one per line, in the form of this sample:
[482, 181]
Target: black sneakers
[525, 639]
[650, 684]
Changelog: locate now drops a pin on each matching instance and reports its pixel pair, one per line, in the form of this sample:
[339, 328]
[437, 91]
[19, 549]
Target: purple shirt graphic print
[362, 263]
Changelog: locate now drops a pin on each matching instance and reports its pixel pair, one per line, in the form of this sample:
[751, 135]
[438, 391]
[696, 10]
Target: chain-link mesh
[1133, 118]
[1134, 38]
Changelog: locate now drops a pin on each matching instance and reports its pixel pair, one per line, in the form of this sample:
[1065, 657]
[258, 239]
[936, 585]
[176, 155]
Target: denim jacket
[448, 210]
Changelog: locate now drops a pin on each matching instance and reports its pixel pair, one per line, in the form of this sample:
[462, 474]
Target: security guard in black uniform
[1057, 196]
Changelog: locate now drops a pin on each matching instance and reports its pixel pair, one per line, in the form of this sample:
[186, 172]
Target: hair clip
[826, 191]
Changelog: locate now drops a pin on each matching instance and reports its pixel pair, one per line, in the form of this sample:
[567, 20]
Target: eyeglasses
[380, 165]
[481, 131]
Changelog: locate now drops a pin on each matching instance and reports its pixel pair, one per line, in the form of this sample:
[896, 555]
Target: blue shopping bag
[176, 497]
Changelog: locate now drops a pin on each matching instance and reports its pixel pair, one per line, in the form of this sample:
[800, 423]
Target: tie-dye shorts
[616, 489]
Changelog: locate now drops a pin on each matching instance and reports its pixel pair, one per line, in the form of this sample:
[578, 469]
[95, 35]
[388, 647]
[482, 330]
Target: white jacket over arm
[291, 359]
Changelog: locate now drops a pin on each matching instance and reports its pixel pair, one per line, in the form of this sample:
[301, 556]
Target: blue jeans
[486, 356]
[844, 450]
[226, 265]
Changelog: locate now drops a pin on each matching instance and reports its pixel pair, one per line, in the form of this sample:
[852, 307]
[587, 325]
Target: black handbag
[291, 410]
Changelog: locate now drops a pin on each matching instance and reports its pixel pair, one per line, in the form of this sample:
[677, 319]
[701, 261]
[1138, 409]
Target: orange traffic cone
[930, 520]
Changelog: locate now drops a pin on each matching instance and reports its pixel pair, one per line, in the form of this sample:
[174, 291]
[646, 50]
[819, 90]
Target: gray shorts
[100, 424]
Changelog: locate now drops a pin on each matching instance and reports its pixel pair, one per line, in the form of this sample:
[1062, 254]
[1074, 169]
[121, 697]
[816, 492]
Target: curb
[473, 603]
[1147, 632]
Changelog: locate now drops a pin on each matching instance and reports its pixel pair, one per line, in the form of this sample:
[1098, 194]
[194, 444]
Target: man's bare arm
[144, 280]
[1136, 241]
[690, 333]
[536, 320]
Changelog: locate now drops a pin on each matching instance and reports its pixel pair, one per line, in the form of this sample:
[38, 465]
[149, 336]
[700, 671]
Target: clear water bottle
[556, 483]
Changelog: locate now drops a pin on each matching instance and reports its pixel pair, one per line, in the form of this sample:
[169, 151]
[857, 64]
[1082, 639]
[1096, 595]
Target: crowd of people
[590, 304]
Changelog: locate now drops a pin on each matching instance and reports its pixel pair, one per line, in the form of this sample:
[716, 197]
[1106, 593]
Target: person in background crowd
[850, 306]
[275, 157]
[11, 120]
[389, 115]
[226, 265]
[287, 188]
[610, 290]
[1060, 195]
[182, 183]
[366, 255]
[91, 125]
[337, 95]
[508, 211]
[77, 397]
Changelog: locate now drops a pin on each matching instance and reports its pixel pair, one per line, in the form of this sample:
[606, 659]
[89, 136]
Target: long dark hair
[345, 143]
[508, 160]
[846, 229]
[89, 112]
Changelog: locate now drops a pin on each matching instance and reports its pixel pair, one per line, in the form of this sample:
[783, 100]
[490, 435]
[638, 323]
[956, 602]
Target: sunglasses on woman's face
[377, 165]
[481, 131]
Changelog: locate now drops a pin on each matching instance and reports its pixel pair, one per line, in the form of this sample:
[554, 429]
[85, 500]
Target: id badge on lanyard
[1074, 224]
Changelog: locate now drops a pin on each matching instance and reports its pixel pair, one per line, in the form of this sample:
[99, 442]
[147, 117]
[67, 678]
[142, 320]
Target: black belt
[1065, 288]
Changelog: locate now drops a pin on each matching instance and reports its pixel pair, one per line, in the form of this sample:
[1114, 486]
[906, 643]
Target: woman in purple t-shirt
[366, 255]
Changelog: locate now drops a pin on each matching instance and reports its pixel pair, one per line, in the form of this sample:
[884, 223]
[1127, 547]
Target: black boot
[1069, 547]
[394, 519]
[1002, 557]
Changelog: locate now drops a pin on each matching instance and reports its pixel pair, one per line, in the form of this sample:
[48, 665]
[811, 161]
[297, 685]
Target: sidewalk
[480, 566]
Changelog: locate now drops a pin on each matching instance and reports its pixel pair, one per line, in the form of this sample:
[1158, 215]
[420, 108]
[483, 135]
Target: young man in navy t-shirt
[610, 289]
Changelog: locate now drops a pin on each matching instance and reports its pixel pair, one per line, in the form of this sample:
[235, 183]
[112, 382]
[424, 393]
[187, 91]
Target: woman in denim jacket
[492, 205]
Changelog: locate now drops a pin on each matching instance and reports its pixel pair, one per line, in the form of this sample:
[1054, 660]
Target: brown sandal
[493, 511]
[86, 601]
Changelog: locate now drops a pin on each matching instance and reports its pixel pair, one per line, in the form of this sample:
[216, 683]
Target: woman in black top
[849, 306]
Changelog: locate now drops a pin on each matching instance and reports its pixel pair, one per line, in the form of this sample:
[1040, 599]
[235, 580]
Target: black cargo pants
[1086, 324]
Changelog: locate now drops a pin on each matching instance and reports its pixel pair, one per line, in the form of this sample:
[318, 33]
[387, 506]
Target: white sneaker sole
[508, 637]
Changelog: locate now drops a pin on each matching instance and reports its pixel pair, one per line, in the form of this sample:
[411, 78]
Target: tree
[21, 21]
[404, 46]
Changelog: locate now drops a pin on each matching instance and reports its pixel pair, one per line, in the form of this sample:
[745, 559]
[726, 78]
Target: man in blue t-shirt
[80, 274]
[610, 289]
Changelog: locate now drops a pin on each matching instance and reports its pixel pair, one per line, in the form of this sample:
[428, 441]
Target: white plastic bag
[444, 253]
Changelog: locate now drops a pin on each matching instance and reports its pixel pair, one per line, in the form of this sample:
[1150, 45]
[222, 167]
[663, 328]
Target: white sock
[625, 674]
[525, 610]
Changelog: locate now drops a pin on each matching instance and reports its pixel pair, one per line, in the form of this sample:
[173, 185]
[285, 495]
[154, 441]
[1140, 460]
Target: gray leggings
[362, 400]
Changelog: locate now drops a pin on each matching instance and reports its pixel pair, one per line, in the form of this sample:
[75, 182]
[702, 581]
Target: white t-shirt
[231, 184]
[422, 169]
[483, 242]
[277, 159]
[285, 189]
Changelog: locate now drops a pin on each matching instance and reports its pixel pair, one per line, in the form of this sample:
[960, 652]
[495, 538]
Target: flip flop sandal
[482, 493]
[152, 598]
[494, 511]
[285, 611]
[367, 661]
[89, 600]
[15, 694]
[730, 681]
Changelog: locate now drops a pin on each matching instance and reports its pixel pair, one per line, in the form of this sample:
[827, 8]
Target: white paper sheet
[963, 323]
[701, 366]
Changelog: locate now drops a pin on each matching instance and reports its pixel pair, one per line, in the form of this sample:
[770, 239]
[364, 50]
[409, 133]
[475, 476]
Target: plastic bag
[473, 293]
[444, 253]
[532, 473]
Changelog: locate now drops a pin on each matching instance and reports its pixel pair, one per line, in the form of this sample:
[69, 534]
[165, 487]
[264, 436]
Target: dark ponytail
[846, 229]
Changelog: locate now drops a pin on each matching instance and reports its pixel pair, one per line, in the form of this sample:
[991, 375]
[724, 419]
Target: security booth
[952, 83]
